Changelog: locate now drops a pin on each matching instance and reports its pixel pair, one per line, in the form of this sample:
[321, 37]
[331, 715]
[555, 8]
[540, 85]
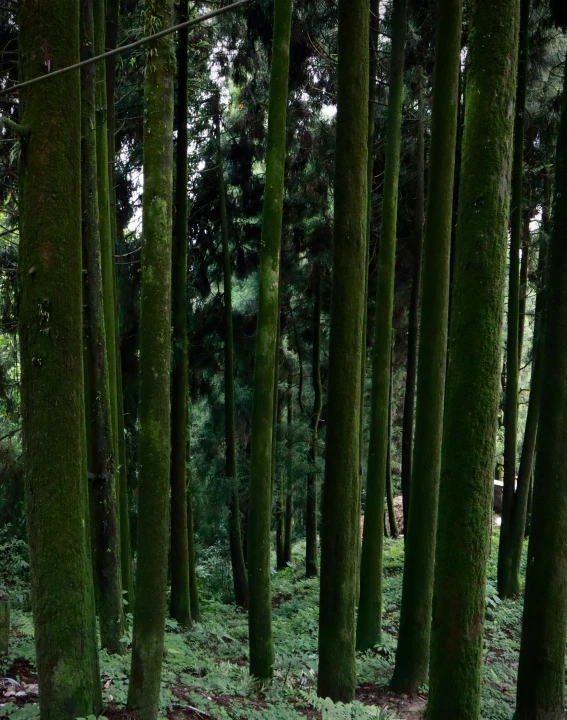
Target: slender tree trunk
[289, 475]
[277, 480]
[155, 363]
[394, 532]
[526, 239]
[373, 38]
[236, 555]
[525, 473]
[340, 511]
[374, 19]
[112, 14]
[507, 584]
[193, 588]
[260, 496]
[50, 326]
[311, 508]
[101, 452]
[541, 673]
[413, 313]
[412, 655]
[472, 389]
[370, 605]
[180, 603]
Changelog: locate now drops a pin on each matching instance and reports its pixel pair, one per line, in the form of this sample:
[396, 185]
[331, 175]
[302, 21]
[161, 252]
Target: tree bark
[541, 673]
[311, 507]
[260, 495]
[340, 523]
[413, 314]
[50, 326]
[180, 601]
[412, 655]
[507, 582]
[101, 452]
[112, 15]
[370, 606]
[472, 388]
[155, 363]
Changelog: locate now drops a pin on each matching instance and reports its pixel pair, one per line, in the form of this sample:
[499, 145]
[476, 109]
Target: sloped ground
[205, 669]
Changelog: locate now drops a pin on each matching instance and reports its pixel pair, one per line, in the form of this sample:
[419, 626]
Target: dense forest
[283, 359]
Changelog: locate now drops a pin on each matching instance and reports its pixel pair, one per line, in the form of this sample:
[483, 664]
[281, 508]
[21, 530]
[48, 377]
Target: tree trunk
[50, 326]
[289, 475]
[413, 313]
[101, 452]
[155, 363]
[507, 583]
[541, 673]
[311, 508]
[260, 495]
[526, 240]
[340, 523]
[374, 20]
[412, 655]
[180, 603]
[112, 15]
[370, 605]
[394, 532]
[472, 388]
[236, 555]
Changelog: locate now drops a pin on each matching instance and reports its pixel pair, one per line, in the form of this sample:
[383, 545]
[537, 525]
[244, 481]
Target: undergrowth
[206, 669]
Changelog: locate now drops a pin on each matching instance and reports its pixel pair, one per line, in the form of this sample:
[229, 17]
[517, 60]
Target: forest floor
[206, 669]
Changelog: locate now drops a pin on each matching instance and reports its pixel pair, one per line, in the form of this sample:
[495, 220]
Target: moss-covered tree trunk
[235, 538]
[373, 38]
[311, 505]
[288, 505]
[340, 521]
[260, 496]
[101, 452]
[180, 605]
[370, 604]
[112, 15]
[472, 388]
[413, 312]
[412, 655]
[155, 360]
[541, 673]
[508, 584]
[50, 325]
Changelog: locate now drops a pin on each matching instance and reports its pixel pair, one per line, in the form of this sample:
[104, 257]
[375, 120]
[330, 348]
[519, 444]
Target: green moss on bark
[412, 654]
[155, 359]
[340, 521]
[370, 605]
[50, 325]
[101, 453]
[508, 580]
[541, 673]
[472, 388]
[260, 496]
[180, 605]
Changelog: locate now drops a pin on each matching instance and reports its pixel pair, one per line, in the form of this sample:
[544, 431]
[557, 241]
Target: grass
[206, 669]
